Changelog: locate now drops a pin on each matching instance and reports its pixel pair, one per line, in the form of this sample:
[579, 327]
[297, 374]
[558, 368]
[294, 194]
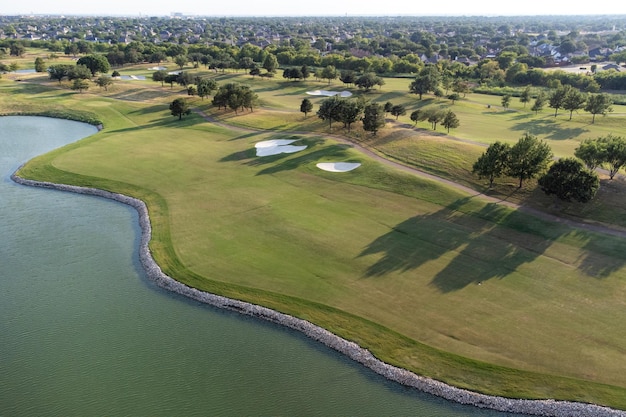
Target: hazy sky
[311, 7]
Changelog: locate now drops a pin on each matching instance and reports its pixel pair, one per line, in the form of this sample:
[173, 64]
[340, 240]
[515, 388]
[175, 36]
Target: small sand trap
[157, 68]
[338, 166]
[329, 93]
[277, 146]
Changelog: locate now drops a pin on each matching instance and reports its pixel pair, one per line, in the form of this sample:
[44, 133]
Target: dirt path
[598, 228]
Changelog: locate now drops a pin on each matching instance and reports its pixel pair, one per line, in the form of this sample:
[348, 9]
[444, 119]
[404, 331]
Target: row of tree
[567, 178]
[348, 111]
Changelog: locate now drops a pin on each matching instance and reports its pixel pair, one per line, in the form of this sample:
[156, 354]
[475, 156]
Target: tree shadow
[490, 243]
[549, 129]
[287, 162]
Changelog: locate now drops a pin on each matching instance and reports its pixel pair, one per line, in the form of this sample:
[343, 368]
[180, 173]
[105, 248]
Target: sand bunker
[277, 146]
[157, 68]
[132, 77]
[338, 166]
[329, 93]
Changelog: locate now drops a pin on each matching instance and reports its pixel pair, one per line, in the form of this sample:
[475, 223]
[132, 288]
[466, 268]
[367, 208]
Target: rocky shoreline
[547, 408]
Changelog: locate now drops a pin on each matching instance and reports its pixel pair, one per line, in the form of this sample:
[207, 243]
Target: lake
[84, 333]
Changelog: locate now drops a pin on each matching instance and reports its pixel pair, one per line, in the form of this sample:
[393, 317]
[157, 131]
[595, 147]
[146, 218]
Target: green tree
[270, 63]
[528, 158]
[574, 100]
[78, 72]
[368, 81]
[104, 81]
[388, 106]
[557, 98]
[540, 101]
[59, 71]
[592, 152]
[450, 121]
[615, 153]
[398, 110]
[181, 60]
[373, 118]
[569, 180]
[598, 104]
[329, 110]
[205, 87]
[329, 73]
[434, 116]
[416, 116]
[306, 106]
[349, 112]
[179, 107]
[80, 84]
[40, 65]
[171, 79]
[159, 76]
[454, 97]
[525, 96]
[506, 101]
[493, 162]
[96, 63]
[17, 49]
[427, 80]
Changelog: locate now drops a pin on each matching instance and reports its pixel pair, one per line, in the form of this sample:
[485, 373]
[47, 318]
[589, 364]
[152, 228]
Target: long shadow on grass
[490, 243]
[548, 128]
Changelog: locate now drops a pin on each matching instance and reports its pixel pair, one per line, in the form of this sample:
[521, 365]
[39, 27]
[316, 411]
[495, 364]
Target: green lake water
[84, 333]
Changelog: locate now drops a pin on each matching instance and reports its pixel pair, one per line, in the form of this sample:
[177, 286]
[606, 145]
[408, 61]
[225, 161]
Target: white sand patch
[274, 142]
[157, 68]
[277, 146]
[329, 93]
[338, 166]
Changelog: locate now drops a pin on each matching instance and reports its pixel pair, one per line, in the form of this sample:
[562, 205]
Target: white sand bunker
[277, 146]
[329, 93]
[338, 166]
[157, 68]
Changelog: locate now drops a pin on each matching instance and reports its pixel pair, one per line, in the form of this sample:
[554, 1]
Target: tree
[181, 60]
[329, 110]
[427, 80]
[416, 116]
[450, 121]
[398, 110]
[506, 101]
[592, 152]
[96, 63]
[171, 79]
[454, 97]
[17, 49]
[528, 158]
[525, 96]
[159, 76]
[373, 118]
[435, 116]
[205, 87]
[306, 106]
[368, 81]
[598, 104]
[461, 87]
[539, 103]
[179, 107]
[569, 180]
[615, 153]
[347, 77]
[329, 73]
[270, 63]
[388, 106]
[78, 72]
[349, 112]
[104, 81]
[574, 100]
[493, 162]
[557, 98]
[40, 65]
[58, 71]
[80, 85]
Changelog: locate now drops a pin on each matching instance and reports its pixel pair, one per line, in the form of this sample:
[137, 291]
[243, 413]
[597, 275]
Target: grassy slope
[411, 264]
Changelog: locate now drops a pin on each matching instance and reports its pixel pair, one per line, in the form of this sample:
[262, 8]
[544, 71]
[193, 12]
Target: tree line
[569, 179]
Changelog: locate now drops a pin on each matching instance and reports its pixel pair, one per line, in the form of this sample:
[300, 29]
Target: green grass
[477, 295]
